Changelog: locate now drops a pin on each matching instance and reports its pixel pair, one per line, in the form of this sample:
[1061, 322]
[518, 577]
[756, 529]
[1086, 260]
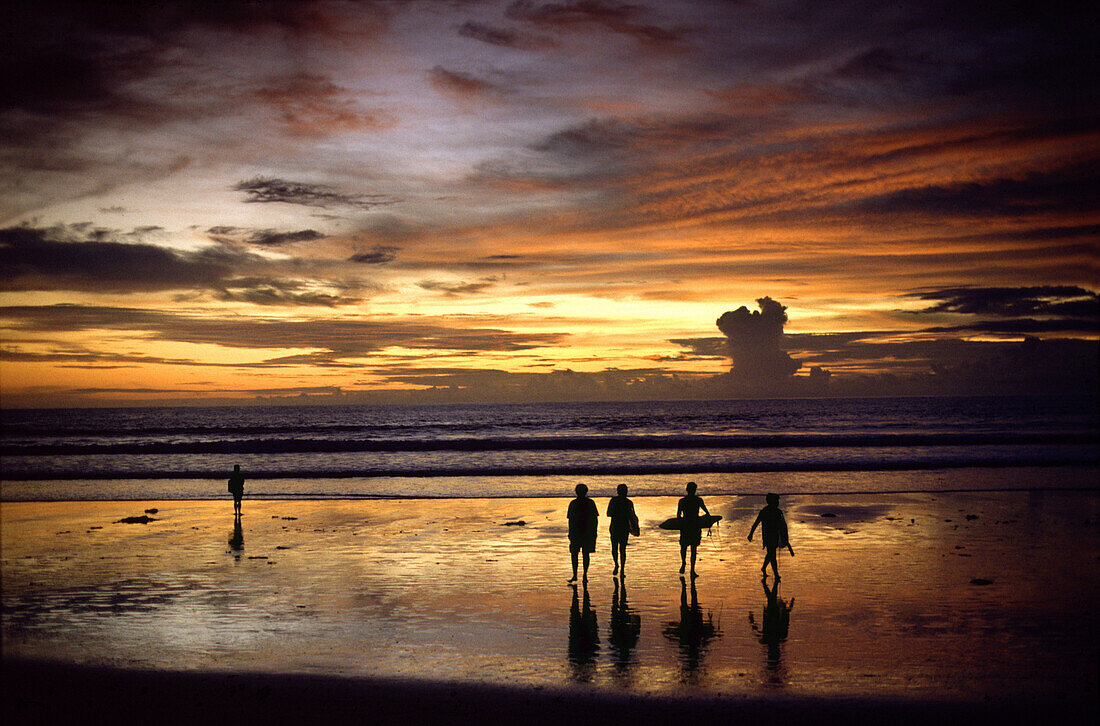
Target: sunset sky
[523, 200]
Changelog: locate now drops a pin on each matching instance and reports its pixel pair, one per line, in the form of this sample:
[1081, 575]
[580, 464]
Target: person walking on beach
[582, 517]
[624, 522]
[773, 529]
[691, 531]
[236, 488]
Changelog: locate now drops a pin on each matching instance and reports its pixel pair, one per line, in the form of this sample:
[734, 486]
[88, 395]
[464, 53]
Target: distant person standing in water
[582, 517]
[691, 531]
[624, 522]
[774, 533]
[236, 488]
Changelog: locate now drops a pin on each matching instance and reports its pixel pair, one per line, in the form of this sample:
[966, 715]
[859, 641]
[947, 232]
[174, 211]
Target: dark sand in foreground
[896, 607]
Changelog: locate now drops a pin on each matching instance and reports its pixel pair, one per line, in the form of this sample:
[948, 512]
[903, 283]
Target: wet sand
[902, 602]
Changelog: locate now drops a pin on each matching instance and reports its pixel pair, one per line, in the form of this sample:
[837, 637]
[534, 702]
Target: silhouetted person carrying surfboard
[691, 530]
[624, 522]
[773, 529]
[582, 517]
[236, 488]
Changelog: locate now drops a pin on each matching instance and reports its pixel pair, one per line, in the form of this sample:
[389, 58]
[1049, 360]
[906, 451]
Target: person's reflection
[773, 629]
[584, 638]
[626, 625]
[693, 632]
[236, 540]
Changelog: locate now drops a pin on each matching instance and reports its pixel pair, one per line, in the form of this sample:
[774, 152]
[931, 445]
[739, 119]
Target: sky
[395, 202]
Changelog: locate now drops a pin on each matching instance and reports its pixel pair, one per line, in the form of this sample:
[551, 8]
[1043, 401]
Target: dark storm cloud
[266, 190]
[97, 260]
[1061, 301]
[755, 341]
[91, 259]
[377, 255]
[622, 18]
[342, 337]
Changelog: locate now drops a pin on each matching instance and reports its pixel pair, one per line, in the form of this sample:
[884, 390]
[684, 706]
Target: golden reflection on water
[884, 595]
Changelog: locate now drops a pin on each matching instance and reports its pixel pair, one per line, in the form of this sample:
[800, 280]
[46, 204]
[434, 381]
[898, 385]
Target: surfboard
[704, 522]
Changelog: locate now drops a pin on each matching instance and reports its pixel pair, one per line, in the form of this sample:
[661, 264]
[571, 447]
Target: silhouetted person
[584, 635]
[236, 488]
[626, 626]
[691, 532]
[582, 517]
[693, 632]
[236, 540]
[624, 522]
[775, 624]
[773, 533]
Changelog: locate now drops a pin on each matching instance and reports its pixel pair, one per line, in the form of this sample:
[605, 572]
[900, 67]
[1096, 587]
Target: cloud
[98, 260]
[1067, 190]
[1015, 310]
[1021, 326]
[502, 37]
[618, 18]
[463, 85]
[1046, 300]
[458, 288]
[377, 255]
[487, 34]
[755, 340]
[284, 292]
[227, 234]
[267, 190]
[335, 338]
[311, 104]
[273, 238]
[703, 348]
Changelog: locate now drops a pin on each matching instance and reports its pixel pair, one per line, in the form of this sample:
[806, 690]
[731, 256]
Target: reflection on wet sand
[693, 633]
[626, 626]
[236, 539]
[772, 631]
[584, 638]
[987, 608]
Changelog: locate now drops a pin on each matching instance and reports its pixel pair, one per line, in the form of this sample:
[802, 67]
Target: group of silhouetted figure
[692, 516]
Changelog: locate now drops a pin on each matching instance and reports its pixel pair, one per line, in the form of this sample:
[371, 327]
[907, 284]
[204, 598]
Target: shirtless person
[691, 532]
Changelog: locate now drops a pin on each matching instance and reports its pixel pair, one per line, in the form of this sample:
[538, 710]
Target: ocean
[537, 450]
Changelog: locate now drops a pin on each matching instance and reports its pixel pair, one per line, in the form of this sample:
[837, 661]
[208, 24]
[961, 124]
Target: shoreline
[44, 692]
[498, 497]
[414, 487]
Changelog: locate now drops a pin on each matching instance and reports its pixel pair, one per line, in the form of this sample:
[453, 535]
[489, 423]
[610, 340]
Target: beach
[952, 600]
